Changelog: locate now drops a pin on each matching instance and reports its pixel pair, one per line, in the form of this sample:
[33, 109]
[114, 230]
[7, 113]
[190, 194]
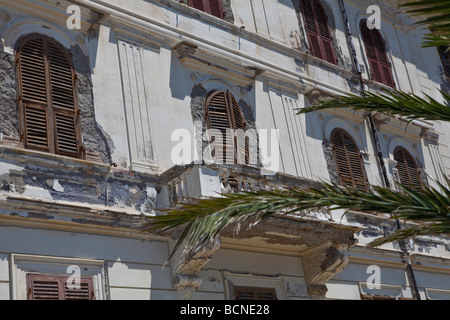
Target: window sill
[14, 151]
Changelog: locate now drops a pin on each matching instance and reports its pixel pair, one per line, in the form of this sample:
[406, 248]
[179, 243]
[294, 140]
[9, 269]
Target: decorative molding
[137, 105]
[136, 34]
[214, 64]
[321, 264]
[188, 264]
[431, 137]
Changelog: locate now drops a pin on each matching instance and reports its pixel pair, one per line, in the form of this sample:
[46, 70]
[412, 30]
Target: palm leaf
[205, 219]
[409, 106]
[437, 17]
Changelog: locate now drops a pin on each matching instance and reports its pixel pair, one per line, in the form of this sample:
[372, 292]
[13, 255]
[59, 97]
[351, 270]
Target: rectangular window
[54, 287]
[249, 293]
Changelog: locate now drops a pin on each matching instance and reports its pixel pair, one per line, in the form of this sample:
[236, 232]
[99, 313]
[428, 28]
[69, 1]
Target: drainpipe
[357, 70]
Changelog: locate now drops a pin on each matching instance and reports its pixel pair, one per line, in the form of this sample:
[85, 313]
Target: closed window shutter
[348, 161]
[240, 142]
[212, 7]
[318, 31]
[52, 287]
[223, 114]
[63, 101]
[215, 8]
[248, 293]
[407, 169]
[197, 4]
[377, 55]
[33, 95]
[47, 101]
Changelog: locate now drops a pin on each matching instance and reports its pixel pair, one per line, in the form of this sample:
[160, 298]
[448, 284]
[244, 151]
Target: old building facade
[105, 119]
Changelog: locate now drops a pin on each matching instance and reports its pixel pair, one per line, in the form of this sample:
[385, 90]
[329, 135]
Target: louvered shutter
[240, 142]
[85, 292]
[223, 114]
[377, 55]
[52, 287]
[407, 169]
[63, 101]
[33, 95]
[348, 161]
[218, 118]
[248, 293]
[47, 97]
[318, 31]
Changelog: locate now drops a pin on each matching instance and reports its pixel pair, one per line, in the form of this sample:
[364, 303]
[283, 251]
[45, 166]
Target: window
[348, 161]
[317, 30]
[47, 97]
[379, 64]
[213, 7]
[224, 115]
[247, 293]
[407, 169]
[379, 297]
[49, 287]
[444, 53]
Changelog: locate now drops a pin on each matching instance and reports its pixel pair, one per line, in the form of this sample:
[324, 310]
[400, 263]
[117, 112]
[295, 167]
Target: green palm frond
[207, 218]
[409, 106]
[435, 14]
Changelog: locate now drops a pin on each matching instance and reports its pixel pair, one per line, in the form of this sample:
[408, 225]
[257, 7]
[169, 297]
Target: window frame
[344, 178]
[445, 61]
[408, 179]
[52, 111]
[315, 37]
[377, 55]
[233, 114]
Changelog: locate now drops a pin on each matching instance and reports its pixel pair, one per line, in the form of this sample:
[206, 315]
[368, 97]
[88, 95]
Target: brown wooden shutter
[197, 4]
[215, 8]
[348, 160]
[47, 103]
[407, 169]
[223, 114]
[53, 287]
[318, 31]
[63, 101]
[240, 142]
[33, 100]
[248, 293]
[377, 56]
[212, 7]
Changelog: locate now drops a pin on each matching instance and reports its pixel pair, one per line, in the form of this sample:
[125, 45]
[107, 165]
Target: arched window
[47, 97]
[407, 168]
[380, 67]
[348, 161]
[223, 114]
[317, 30]
[213, 7]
